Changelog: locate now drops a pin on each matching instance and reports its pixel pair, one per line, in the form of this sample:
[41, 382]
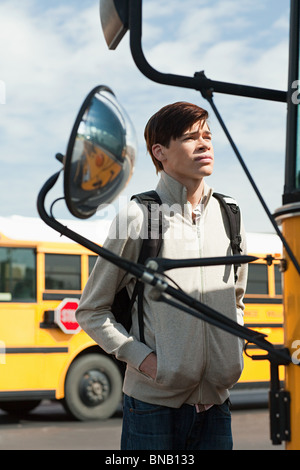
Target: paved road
[49, 428]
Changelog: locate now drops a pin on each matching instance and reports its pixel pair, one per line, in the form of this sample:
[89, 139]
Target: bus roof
[17, 227]
[263, 243]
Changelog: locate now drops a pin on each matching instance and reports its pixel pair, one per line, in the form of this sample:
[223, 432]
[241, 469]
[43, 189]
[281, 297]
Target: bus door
[18, 311]
[60, 278]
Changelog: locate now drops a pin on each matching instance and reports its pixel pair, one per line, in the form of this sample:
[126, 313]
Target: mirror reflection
[101, 154]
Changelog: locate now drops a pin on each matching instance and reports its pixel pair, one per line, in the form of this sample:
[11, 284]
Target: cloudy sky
[53, 52]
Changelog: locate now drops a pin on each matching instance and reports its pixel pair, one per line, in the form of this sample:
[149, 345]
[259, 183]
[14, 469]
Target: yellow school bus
[41, 360]
[38, 359]
[263, 308]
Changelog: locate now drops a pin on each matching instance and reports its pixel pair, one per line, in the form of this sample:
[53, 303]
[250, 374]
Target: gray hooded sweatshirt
[196, 362]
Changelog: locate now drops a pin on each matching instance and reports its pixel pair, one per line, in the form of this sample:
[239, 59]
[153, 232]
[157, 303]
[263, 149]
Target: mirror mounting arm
[134, 268]
[186, 302]
[197, 82]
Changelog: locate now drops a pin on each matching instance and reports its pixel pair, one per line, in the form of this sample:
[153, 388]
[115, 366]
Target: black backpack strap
[150, 247]
[153, 240]
[233, 213]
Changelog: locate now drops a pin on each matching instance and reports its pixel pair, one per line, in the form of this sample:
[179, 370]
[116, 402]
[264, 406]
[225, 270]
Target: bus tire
[93, 388]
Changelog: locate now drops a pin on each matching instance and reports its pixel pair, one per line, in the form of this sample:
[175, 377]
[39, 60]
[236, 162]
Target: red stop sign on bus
[64, 316]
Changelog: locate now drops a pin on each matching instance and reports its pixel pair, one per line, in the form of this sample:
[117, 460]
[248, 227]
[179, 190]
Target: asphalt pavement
[49, 428]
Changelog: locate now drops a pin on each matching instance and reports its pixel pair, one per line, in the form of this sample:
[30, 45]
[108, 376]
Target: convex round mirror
[100, 154]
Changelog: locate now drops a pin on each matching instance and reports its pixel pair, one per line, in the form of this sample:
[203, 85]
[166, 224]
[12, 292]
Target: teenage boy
[176, 383]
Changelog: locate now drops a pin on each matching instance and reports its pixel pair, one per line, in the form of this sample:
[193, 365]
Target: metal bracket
[280, 426]
[279, 404]
[279, 400]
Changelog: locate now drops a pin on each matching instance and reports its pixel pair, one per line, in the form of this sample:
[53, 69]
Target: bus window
[92, 262]
[278, 285]
[17, 274]
[257, 279]
[62, 272]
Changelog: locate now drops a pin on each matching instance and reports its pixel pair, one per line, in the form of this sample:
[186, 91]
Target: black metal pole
[279, 356]
[164, 264]
[291, 193]
[134, 268]
[208, 95]
[196, 308]
[196, 82]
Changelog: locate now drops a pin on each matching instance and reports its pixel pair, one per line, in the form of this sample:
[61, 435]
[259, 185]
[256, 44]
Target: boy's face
[189, 157]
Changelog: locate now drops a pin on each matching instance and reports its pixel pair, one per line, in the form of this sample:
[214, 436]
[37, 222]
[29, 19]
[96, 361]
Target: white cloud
[53, 56]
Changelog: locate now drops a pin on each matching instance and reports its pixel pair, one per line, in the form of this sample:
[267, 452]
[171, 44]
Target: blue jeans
[154, 427]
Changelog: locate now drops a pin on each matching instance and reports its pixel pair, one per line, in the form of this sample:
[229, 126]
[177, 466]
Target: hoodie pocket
[179, 370]
[225, 363]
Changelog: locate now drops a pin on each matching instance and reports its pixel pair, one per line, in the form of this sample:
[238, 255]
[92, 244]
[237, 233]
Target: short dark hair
[170, 122]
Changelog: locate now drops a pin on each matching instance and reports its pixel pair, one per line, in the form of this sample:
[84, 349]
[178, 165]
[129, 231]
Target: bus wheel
[19, 408]
[93, 388]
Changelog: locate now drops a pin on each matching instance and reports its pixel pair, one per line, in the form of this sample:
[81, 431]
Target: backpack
[233, 214]
[122, 305]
